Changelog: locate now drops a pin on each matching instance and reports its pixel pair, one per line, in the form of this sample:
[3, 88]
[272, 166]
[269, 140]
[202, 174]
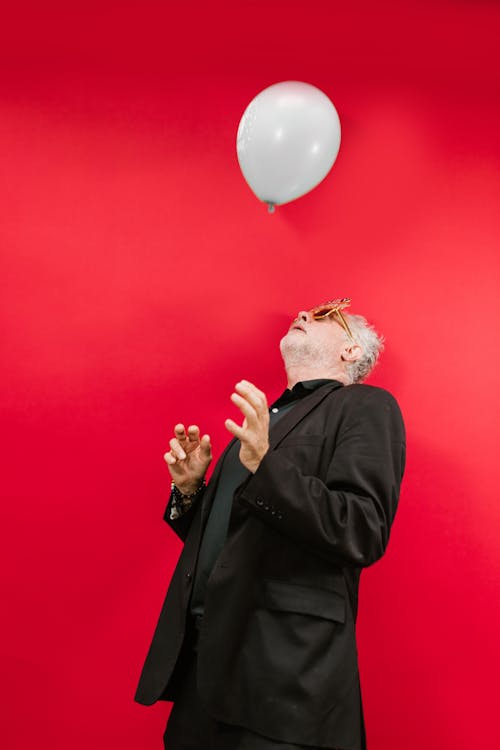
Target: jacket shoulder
[360, 402]
[361, 393]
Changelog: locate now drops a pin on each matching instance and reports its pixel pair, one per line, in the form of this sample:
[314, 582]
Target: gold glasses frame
[333, 307]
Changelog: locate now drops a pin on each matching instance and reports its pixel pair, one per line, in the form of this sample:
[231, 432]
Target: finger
[177, 450]
[180, 432]
[170, 459]
[246, 408]
[233, 428]
[253, 388]
[206, 447]
[194, 433]
[253, 395]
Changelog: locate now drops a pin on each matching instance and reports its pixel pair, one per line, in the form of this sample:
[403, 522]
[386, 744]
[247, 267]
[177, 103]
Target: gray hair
[370, 342]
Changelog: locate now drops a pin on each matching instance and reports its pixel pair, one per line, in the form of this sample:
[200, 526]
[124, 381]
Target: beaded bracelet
[180, 503]
[180, 496]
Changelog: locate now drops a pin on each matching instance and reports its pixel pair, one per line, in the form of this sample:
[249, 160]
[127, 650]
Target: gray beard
[301, 352]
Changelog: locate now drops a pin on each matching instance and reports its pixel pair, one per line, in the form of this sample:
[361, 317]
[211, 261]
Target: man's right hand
[188, 458]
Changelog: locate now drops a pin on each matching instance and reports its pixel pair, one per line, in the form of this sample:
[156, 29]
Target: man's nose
[304, 315]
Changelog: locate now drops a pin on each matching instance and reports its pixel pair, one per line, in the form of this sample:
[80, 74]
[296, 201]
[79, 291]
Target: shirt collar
[302, 389]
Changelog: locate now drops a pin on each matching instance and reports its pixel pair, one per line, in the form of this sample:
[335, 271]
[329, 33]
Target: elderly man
[255, 643]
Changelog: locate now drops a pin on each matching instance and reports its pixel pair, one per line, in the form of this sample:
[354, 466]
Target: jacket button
[266, 507]
[189, 576]
[259, 501]
[279, 516]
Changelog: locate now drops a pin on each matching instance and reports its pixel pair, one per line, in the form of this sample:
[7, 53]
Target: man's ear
[351, 353]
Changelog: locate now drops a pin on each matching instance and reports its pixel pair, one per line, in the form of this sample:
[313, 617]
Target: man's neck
[299, 373]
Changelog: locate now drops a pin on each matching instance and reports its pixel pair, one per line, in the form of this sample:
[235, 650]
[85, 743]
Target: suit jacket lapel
[286, 424]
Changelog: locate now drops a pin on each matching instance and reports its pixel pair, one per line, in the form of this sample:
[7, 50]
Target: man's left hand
[254, 432]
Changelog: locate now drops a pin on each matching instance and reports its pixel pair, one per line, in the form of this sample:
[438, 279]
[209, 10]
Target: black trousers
[189, 727]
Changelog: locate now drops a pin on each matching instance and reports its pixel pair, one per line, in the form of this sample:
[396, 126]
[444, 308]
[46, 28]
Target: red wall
[141, 279]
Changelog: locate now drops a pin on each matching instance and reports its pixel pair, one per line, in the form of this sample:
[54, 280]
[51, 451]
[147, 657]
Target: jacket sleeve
[346, 515]
[180, 520]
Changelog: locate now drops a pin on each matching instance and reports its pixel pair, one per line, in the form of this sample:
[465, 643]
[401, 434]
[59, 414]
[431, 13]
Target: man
[255, 643]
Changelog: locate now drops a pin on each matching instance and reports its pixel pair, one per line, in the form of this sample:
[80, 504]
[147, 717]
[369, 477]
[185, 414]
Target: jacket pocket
[305, 600]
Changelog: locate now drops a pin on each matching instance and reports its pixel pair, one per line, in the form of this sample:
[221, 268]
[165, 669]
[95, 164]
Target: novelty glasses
[334, 307]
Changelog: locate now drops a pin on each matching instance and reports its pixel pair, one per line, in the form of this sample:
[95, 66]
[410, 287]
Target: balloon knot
[270, 207]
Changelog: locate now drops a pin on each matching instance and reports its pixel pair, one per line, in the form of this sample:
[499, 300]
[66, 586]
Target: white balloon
[287, 142]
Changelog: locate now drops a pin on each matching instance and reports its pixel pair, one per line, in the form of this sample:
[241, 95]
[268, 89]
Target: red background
[141, 279]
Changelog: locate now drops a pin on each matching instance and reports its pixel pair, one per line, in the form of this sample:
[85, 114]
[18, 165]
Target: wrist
[186, 491]
[254, 464]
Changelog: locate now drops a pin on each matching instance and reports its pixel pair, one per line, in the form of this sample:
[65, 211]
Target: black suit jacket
[277, 651]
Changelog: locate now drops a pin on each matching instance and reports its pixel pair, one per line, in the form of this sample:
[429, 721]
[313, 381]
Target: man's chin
[293, 349]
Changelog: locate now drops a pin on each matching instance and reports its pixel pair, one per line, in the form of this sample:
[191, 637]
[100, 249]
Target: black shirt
[233, 473]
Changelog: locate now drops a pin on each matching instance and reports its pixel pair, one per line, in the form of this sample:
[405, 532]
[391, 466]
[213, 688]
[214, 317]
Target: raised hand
[188, 458]
[254, 432]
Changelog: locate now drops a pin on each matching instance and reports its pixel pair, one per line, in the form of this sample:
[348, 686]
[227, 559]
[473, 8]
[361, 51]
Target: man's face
[314, 341]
